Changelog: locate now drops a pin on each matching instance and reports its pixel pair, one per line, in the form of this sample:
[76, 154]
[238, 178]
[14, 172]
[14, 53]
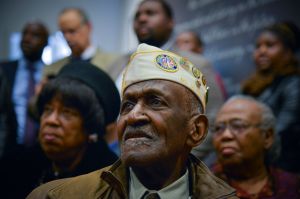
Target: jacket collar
[203, 184]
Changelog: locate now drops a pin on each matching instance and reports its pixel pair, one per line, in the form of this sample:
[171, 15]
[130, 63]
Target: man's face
[154, 124]
[186, 41]
[270, 52]
[76, 33]
[151, 24]
[34, 39]
[247, 143]
[62, 133]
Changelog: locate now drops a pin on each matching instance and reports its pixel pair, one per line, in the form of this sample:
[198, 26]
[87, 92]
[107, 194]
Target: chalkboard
[229, 29]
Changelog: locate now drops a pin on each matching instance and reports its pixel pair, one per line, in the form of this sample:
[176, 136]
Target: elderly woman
[276, 82]
[75, 108]
[242, 135]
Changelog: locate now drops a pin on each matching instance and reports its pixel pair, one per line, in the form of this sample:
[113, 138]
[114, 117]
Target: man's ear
[198, 130]
[269, 138]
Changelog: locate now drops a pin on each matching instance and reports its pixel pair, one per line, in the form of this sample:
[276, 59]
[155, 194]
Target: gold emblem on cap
[184, 63]
[196, 72]
[166, 63]
[203, 80]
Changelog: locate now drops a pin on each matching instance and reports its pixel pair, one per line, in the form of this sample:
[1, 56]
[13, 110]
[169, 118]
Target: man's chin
[135, 159]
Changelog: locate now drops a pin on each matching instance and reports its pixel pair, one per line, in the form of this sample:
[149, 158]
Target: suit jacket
[7, 112]
[100, 59]
[113, 182]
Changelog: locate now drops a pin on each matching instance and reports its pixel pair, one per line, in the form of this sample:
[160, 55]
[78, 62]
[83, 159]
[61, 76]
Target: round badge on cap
[184, 63]
[196, 72]
[166, 63]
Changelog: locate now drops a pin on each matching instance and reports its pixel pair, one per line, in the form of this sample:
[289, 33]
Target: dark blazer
[9, 69]
[8, 119]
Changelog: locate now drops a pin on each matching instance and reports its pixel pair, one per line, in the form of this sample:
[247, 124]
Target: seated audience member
[242, 135]
[74, 108]
[160, 121]
[276, 82]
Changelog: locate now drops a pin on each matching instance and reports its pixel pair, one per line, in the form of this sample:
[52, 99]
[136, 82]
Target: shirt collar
[37, 64]
[88, 53]
[178, 189]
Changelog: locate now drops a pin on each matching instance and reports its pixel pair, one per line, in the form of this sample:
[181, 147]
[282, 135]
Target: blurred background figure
[189, 41]
[243, 133]
[76, 29]
[74, 109]
[22, 76]
[276, 82]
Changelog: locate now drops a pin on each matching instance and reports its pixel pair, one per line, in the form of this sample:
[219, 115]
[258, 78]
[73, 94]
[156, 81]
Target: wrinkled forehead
[240, 109]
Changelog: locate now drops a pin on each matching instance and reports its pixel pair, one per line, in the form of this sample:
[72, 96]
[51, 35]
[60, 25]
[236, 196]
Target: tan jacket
[112, 183]
[101, 59]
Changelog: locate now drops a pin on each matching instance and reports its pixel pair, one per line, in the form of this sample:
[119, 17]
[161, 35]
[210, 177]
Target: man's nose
[137, 115]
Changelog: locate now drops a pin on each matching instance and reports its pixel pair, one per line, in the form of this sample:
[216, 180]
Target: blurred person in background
[276, 82]
[74, 109]
[76, 28]
[22, 77]
[243, 133]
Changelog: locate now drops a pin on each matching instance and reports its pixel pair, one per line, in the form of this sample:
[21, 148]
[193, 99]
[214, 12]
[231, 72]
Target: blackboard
[229, 29]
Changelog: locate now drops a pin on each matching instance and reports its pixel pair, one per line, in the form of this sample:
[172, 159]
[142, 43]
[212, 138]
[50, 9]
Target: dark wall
[229, 29]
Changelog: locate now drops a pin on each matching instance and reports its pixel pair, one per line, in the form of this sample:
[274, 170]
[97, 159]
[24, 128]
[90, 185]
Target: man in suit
[76, 28]
[23, 75]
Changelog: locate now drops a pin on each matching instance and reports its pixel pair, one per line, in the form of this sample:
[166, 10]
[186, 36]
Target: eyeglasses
[235, 126]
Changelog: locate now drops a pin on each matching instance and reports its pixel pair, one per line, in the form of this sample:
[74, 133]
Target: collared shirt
[178, 189]
[88, 53]
[20, 89]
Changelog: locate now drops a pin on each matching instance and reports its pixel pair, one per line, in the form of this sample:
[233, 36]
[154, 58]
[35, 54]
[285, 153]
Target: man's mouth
[135, 135]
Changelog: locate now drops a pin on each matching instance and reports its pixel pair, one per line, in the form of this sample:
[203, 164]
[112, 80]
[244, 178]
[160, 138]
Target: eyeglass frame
[234, 130]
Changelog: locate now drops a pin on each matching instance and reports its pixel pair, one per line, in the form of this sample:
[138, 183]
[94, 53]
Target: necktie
[29, 134]
[151, 196]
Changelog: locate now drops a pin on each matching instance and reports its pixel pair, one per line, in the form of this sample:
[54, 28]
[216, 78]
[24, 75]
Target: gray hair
[267, 117]
[80, 12]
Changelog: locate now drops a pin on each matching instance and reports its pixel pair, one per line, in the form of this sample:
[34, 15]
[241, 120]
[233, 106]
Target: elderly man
[154, 25]
[76, 28]
[22, 77]
[161, 120]
[242, 133]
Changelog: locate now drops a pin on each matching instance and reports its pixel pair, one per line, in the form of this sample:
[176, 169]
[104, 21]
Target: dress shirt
[20, 89]
[88, 53]
[178, 189]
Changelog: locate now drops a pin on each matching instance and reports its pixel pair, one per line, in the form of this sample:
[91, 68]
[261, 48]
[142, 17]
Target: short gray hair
[80, 12]
[267, 117]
